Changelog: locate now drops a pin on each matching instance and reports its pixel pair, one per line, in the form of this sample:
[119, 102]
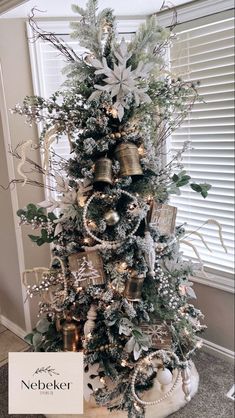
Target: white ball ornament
[164, 376]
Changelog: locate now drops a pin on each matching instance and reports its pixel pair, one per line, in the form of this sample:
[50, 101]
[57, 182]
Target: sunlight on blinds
[206, 53]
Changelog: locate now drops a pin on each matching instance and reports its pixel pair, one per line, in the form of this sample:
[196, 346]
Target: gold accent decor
[128, 156]
[103, 170]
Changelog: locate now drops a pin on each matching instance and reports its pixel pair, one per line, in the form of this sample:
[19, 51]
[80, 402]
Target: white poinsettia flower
[125, 327]
[185, 288]
[137, 345]
[69, 197]
[49, 204]
[62, 185]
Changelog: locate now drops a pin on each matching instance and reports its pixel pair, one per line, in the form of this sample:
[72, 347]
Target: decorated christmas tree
[118, 286]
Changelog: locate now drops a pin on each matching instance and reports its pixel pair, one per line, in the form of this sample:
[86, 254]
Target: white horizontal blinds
[51, 78]
[204, 51]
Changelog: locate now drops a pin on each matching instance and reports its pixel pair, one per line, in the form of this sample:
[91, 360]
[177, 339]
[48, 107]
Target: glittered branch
[50, 37]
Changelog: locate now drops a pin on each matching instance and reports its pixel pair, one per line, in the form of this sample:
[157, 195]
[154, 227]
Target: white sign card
[45, 383]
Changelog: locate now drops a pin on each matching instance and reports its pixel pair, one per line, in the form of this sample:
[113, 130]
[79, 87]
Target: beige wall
[218, 308]
[217, 305]
[11, 302]
[17, 82]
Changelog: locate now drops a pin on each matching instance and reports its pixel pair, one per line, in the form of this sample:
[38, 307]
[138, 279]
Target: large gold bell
[128, 156]
[103, 170]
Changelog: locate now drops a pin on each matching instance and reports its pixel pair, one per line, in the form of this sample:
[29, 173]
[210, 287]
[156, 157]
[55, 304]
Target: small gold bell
[70, 336]
[133, 289]
[128, 156]
[103, 170]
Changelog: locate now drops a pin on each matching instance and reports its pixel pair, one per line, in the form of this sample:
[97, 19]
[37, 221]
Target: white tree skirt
[172, 404]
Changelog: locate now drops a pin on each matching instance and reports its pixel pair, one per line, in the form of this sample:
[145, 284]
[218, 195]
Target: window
[204, 51]
[47, 64]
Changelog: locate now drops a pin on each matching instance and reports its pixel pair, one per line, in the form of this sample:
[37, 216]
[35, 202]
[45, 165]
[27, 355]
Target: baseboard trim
[12, 327]
[218, 350]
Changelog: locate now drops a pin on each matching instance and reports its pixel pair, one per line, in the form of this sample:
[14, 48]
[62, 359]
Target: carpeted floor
[216, 378]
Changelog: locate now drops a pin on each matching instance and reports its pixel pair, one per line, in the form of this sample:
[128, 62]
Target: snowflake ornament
[91, 380]
[122, 82]
[157, 331]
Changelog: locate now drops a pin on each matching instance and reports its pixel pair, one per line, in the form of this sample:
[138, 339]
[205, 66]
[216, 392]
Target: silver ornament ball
[111, 217]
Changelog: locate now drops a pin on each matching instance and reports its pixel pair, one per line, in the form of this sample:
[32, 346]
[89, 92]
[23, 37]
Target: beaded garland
[110, 244]
[141, 364]
[103, 348]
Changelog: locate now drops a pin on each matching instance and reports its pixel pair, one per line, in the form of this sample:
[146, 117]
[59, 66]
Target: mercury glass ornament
[164, 376]
[111, 217]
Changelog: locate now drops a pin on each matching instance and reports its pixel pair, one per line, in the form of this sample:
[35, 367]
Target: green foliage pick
[201, 188]
[181, 179]
[42, 325]
[29, 338]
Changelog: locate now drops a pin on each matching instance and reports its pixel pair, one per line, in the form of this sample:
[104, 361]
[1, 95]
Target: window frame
[185, 13]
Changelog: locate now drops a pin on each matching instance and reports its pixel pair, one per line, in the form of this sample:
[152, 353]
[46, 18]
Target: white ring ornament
[111, 244]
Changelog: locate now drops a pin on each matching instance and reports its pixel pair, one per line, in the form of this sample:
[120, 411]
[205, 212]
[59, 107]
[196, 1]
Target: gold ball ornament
[111, 217]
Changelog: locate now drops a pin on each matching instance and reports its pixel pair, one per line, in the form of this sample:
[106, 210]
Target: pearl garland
[157, 401]
[107, 244]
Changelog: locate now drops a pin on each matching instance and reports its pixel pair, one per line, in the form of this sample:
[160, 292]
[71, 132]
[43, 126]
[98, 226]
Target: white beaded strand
[108, 244]
[157, 401]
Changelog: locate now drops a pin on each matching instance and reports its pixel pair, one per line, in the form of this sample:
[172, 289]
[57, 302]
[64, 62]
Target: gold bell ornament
[133, 289]
[70, 336]
[128, 156]
[103, 171]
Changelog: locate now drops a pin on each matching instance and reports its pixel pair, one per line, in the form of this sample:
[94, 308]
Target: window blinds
[204, 51]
